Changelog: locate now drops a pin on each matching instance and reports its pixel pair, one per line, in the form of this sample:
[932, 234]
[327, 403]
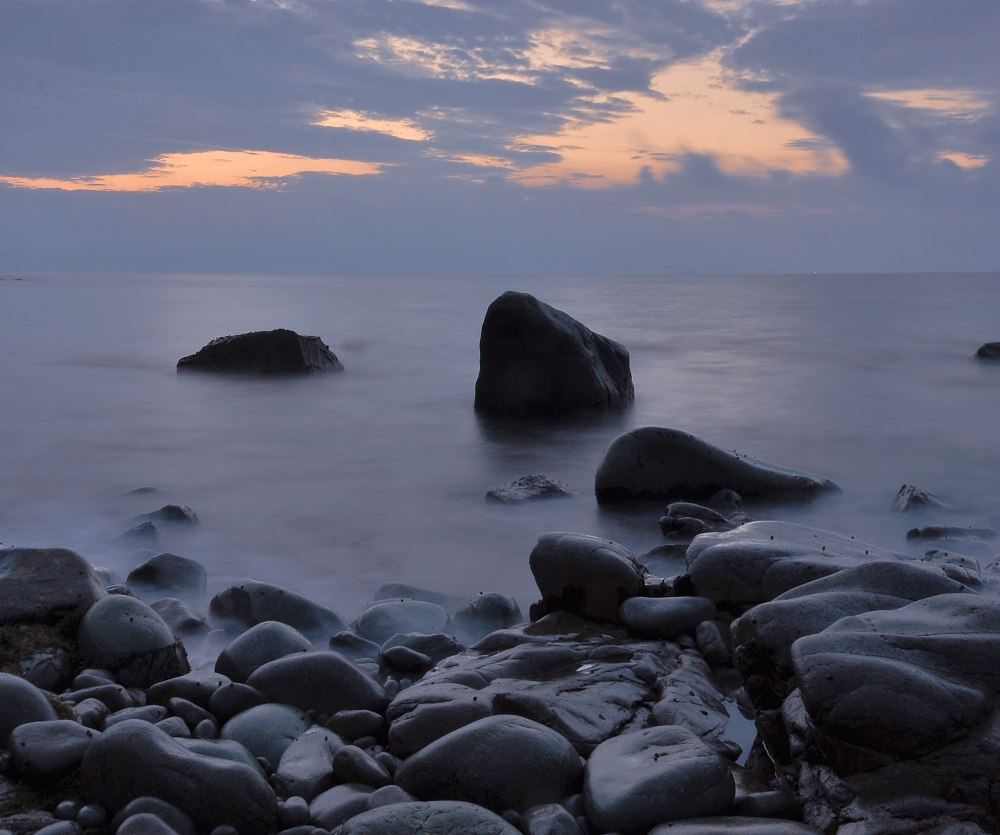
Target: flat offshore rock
[136, 759]
[257, 646]
[474, 764]
[381, 620]
[933, 661]
[250, 602]
[537, 360]
[758, 561]
[638, 780]
[45, 583]
[659, 463]
[584, 574]
[280, 351]
[528, 488]
[435, 817]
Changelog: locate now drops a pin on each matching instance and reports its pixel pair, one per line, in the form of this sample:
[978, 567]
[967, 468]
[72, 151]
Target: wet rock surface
[278, 351]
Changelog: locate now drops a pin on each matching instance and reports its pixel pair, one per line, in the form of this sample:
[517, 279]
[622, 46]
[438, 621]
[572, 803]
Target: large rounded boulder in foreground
[437, 817]
[658, 463]
[500, 762]
[45, 583]
[536, 360]
[279, 351]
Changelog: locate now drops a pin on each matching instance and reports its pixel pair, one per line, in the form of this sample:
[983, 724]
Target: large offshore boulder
[536, 360]
[658, 463]
[988, 351]
[45, 583]
[280, 351]
[250, 602]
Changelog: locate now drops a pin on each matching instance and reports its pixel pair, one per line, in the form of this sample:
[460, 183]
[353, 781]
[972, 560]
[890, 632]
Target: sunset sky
[479, 136]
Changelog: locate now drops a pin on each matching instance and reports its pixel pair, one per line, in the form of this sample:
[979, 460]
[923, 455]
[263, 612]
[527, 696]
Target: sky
[500, 136]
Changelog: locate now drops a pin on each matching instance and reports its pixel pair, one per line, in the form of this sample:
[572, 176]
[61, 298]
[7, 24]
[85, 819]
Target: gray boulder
[760, 560]
[381, 620]
[267, 730]
[474, 764]
[339, 804]
[168, 575]
[910, 498]
[638, 780]
[527, 488]
[125, 636]
[279, 351]
[658, 463]
[172, 817]
[988, 351]
[435, 817]
[45, 583]
[324, 681]
[20, 702]
[484, 613]
[304, 769]
[664, 617]
[250, 602]
[136, 759]
[536, 360]
[584, 575]
[184, 622]
[45, 752]
[264, 642]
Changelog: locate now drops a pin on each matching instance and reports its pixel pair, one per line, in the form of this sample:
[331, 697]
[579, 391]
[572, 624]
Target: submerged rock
[250, 602]
[168, 575]
[527, 488]
[279, 351]
[537, 360]
[910, 498]
[659, 463]
[989, 351]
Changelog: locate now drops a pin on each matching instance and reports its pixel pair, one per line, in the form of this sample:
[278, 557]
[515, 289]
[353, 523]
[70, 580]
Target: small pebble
[293, 812]
[67, 810]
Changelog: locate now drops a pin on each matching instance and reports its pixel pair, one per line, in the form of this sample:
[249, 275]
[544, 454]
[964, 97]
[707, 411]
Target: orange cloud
[695, 107]
[247, 169]
[360, 120]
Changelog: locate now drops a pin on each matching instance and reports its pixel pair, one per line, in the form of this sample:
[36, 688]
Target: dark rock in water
[45, 583]
[21, 702]
[527, 488]
[170, 514]
[474, 763]
[665, 617]
[436, 817]
[951, 532]
[640, 779]
[683, 521]
[485, 613]
[168, 575]
[143, 535]
[584, 575]
[251, 602]
[135, 759]
[125, 636]
[382, 620]
[404, 591]
[263, 352]
[910, 498]
[989, 351]
[183, 621]
[658, 463]
[536, 360]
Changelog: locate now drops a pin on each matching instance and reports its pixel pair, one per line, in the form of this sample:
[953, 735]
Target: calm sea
[331, 485]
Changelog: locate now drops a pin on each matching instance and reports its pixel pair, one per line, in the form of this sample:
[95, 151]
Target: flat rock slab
[45, 583]
[659, 463]
[638, 780]
[435, 817]
[280, 351]
[758, 561]
[499, 762]
[933, 662]
[537, 360]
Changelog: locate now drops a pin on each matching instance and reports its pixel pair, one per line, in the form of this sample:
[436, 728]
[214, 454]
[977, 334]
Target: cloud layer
[529, 136]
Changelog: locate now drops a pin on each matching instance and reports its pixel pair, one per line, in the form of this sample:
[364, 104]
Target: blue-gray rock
[484, 613]
[355, 724]
[232, 698]
[638, 780]
[910, 498]
[353, 646]
[136, 759]
[45, 583]
[420, 715]
[758, 561]
[145, 823]
[404, 591]
[584, 574]
[184, 622]
[549, 819]
[224, 749]
[124, 635]
[259, 644]
[198, 686]
[383, 619]
[437, 817]
[988, 351]
[323, 681]
[141, 535]
[171, 514]
[353, 765]
[735, 825]
[473, 764]
[658, 463]
[112, 696]
[338, 804]
[528, 488]
[250, 602]
[168, 575]
[267, 730]
[47, 751]
[437, 647]
[20, 702]
[304, 769]
[664, 617]
[537, 360]
[177, 820]
[280, 351]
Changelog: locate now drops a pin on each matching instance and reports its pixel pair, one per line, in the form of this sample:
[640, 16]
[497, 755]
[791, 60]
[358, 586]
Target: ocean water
[333, 484]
